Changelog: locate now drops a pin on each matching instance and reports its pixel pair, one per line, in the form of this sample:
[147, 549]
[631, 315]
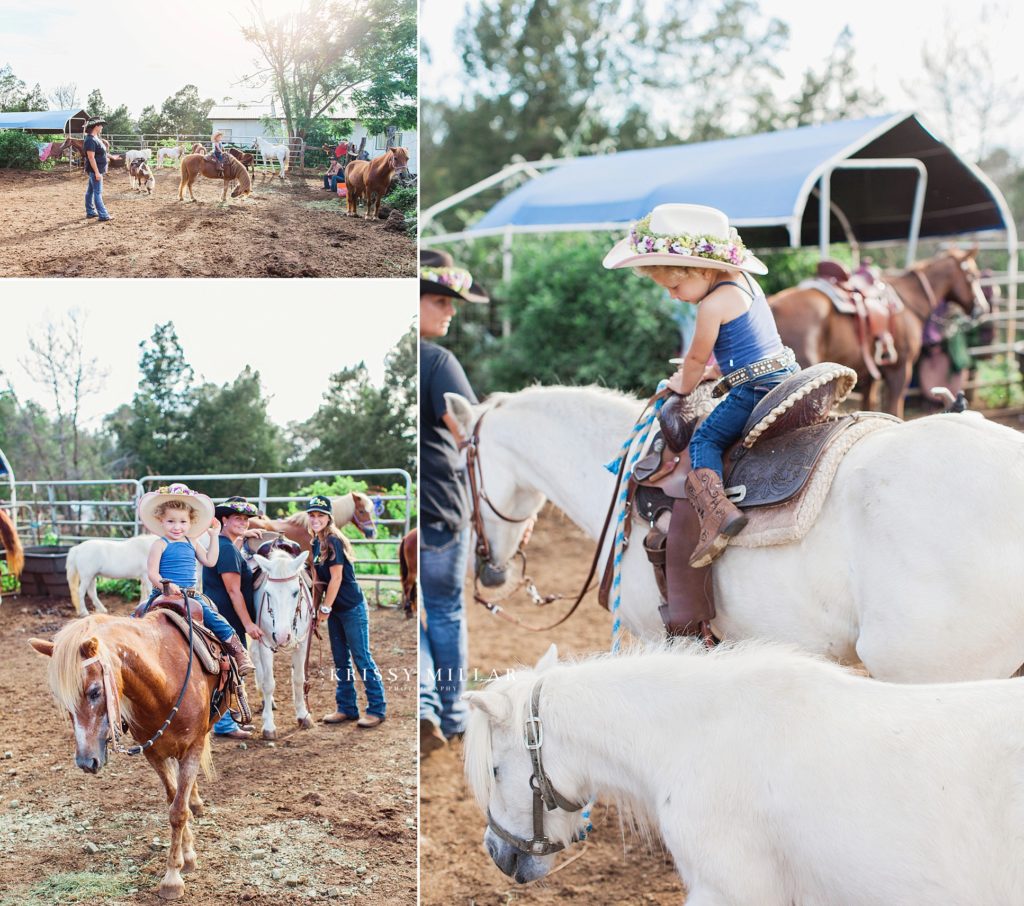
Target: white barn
[246, 121]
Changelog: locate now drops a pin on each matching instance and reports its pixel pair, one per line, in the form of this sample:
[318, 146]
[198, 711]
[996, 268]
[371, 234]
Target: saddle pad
[201, 638]
[806, 398]
[840, 301]
[787, 522]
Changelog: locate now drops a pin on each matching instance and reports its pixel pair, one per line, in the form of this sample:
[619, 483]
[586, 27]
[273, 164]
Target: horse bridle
[305, 599]
[973, 284]
[544, 793]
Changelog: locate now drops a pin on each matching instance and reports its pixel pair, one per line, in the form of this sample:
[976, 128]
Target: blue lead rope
[638, 436]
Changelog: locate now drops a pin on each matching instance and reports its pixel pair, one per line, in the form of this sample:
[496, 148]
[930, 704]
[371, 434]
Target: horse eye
[94, 694]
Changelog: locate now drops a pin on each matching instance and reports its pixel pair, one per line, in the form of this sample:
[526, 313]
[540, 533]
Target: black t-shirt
[349, 595]
[93, 144]
[229, 560]
[443, 494]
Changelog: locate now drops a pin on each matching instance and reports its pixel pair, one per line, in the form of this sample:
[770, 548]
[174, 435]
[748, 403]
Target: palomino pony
[285, 613]
[773, 778]
[371, 180]
[11, 543]
[810, 325]
[104, 669]
[194, 164]
[899, 570]
[269, 150]
[355, 507]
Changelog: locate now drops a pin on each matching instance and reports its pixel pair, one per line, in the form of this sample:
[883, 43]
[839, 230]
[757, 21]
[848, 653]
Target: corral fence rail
[70, 511]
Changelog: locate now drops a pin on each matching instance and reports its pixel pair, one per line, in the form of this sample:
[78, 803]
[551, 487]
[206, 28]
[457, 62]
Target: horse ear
[972, 252]
[549, 660]
[90, 648]
[461, 410]
[494, 704]
[262, 561]
[300, 559]
[43, 646]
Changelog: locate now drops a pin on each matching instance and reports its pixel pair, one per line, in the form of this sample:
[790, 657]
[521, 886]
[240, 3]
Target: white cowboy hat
[199, 502]
[684, 235]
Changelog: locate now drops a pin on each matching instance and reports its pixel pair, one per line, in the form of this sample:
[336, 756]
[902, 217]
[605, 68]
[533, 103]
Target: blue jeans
[212, 619]
[350, 642]
[724, 425]
[94, 199]
[444, 643]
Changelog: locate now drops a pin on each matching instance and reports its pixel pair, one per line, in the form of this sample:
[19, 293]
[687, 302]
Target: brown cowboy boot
[719, 518]
[237, 650]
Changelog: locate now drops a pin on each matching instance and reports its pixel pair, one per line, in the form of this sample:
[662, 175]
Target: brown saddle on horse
[783, 442]
[874, 304]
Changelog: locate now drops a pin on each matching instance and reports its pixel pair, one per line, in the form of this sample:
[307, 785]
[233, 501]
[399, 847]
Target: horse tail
[74, 577]
[11, 544]
[206, 760]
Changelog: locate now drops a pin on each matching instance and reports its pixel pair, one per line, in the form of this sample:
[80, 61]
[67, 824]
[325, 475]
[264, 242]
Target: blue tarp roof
[42, 120]
[764, 182]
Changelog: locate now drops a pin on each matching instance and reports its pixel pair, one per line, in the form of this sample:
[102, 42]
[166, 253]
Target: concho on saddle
[871, 301]
[779, 473]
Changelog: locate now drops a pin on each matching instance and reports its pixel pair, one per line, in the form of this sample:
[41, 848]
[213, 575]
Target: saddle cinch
[778, 472]
[872, 302]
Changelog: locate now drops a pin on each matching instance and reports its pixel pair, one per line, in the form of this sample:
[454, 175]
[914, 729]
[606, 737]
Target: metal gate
[76, 510]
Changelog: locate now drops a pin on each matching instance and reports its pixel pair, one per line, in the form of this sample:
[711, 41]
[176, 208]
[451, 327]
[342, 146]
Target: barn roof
[769, 186]
[72, 120]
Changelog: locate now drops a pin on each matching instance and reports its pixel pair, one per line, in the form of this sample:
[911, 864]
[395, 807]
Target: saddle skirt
[206, 646]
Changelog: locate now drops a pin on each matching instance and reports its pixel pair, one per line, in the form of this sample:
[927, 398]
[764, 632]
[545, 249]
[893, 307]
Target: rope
[638, 436]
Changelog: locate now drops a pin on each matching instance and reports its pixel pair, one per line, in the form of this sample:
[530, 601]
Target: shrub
[18, 150]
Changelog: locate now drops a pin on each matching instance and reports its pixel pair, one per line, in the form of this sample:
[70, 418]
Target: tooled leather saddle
[782, 443]
[872, 302]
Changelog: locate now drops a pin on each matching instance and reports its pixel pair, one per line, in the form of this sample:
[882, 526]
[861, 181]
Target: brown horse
[355, 507]
[245, 159]
[809, 324]
[371, 180]
[194, 164]
[408, 566]
[107, 669]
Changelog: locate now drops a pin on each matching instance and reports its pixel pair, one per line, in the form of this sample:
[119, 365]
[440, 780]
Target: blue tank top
[750, 337]
[178, 563]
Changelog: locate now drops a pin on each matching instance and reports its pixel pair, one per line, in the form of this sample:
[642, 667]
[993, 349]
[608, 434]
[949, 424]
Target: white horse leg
[87, 587]
[298, 680]
[263, 660]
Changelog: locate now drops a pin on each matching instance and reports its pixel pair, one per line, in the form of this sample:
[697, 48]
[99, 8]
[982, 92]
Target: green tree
[360, 426]
[387, 98]
[15, 95]
[95, 105]
[187, 113]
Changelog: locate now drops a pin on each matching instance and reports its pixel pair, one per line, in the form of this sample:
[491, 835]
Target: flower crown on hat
[240, 506]
[178, 488]
[456, 278]
[643, 241]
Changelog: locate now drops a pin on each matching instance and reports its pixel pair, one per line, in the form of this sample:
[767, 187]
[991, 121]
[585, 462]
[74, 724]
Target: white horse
[773, 778]
[112, 558]
[135, 154]
[171, 154]
[284, 611]
[912, 567]
[269, 150]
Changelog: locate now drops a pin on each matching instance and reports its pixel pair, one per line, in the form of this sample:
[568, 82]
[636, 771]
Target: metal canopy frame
[5, 462]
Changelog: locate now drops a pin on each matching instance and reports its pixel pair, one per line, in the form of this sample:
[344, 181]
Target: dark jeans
[725, 423]
[350, 643]
[444, 644]
[94, 199]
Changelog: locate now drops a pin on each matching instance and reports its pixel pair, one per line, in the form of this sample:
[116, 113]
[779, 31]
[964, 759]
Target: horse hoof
[189, 866]
[270, 734]
[306, 723]
[171, 891]
[198, 810]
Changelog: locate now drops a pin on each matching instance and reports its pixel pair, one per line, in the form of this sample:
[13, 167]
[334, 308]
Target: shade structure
[872, 171]
[44, 121]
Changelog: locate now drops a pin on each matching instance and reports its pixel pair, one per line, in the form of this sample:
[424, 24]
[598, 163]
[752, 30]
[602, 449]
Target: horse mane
[241, 173]
[65, 670]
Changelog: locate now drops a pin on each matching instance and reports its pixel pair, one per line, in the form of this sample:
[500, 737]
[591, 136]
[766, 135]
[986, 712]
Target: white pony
[171, 154]
[135, 154]
[284, 611]
[269, 150]
[912, 567]
[111, 558]
[774, 778]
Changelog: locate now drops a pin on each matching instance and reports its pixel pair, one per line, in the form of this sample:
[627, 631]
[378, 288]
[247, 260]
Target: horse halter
[304, 604]
[544, 793]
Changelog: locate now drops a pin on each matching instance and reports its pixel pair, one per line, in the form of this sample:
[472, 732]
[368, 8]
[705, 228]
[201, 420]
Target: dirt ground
[616, 865]
[286, 228]
[327, 814]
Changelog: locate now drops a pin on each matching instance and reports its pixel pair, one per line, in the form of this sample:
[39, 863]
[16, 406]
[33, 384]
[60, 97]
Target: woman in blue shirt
[343, 606]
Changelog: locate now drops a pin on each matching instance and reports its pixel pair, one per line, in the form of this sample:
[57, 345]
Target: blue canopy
[767, 185]
[66, 121]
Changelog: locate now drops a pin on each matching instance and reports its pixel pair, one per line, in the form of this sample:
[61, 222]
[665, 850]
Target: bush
[125, 589]
[18, 150]
[405, 199]
[8, 583]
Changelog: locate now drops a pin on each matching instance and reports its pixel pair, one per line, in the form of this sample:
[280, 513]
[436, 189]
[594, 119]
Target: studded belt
[754, 370]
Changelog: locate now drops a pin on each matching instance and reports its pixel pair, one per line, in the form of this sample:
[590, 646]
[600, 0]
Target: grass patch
[125, 589]
[325, 205]
[1006, 395]
[72, 887]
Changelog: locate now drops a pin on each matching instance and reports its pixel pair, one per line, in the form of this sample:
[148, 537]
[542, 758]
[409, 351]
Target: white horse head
[506, 503]
[283, 608]
[501, 774]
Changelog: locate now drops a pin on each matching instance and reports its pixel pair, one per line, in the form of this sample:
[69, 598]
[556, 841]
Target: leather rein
[545, 796]
[478, 493]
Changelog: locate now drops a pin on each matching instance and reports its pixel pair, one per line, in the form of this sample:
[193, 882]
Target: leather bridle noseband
[305, 600]
[544, 793]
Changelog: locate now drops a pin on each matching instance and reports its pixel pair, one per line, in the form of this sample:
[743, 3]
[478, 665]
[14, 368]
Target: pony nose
[370, 532]
[491, 576]
[91, 765]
